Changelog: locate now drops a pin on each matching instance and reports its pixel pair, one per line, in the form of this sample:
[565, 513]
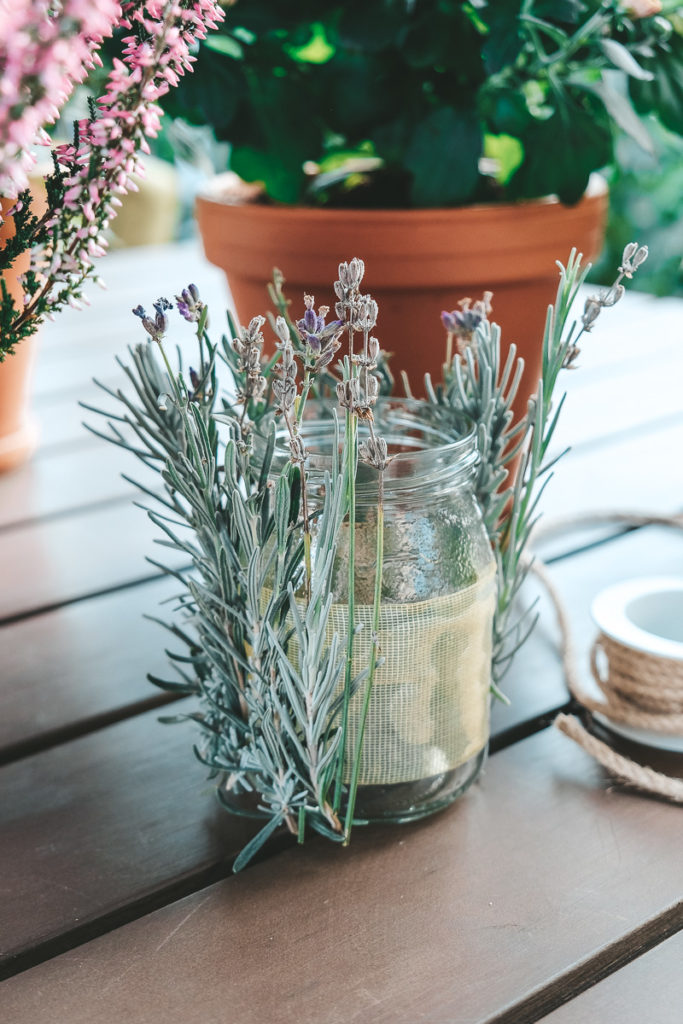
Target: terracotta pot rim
[596, 191]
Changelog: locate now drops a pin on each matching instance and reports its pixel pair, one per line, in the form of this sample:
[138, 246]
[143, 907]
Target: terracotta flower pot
[418, 263]
[18, 431]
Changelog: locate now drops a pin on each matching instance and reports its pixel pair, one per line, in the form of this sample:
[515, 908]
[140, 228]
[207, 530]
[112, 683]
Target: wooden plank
[60, 423]
[65, 559]
[648, 989]
[633, 474]
[495, 909]
[67, 670]
[103, 821]
[70, 480]
[605, 406]
[52, 659]
[82, 345]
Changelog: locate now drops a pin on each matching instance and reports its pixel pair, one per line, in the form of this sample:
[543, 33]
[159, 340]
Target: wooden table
[547, 892]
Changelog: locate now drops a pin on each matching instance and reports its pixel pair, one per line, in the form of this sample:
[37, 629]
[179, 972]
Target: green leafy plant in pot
[452, 143]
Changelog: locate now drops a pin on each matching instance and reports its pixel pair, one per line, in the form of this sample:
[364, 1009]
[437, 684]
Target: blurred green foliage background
[646, 203]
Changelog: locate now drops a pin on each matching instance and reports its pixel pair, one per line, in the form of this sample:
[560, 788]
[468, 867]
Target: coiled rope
[638, 689]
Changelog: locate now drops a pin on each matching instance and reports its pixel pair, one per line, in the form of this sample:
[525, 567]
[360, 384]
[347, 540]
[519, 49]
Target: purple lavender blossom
[313, 331]
[190, 306]
[157, 327]
[463, 323]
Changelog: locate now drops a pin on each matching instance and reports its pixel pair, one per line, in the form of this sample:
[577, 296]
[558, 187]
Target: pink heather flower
[42, 58]
[100, 164]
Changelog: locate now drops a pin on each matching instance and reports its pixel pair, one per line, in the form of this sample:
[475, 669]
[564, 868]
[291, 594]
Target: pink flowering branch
[97, 168]
[46, 48]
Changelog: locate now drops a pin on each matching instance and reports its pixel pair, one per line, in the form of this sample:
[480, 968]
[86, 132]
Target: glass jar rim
[434, 448]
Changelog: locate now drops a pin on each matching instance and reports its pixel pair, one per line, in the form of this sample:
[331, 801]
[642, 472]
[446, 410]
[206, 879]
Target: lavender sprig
[479, 384]
[249, 348]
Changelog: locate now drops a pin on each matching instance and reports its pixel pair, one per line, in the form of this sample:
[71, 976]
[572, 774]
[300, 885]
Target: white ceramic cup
[647, 616]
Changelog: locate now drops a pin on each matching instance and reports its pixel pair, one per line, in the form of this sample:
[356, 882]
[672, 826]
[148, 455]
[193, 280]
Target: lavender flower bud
[325, 358]
[365, 313]
[351, 274]
[189, 306]
[371, 389]
[288, 366]
[282, 331]
[629, 251]
[591, 312]
[285, 393]
[464, 322]
[297, 448]
[374, 452]
[317, 336]
[348, 393]
[611, 297]
[253, 332]
[632, 258]
[449, 321]
[640, 256]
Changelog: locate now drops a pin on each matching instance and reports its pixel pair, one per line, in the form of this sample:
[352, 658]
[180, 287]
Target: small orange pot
[418, 263]
[18, 431]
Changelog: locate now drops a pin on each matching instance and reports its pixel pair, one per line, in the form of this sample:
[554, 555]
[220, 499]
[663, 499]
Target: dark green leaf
[504, 38]
[562, 151]
[565, 11]
[369, 26]
[664, 94]
[504, 110]
[282, 182]
[443, 156]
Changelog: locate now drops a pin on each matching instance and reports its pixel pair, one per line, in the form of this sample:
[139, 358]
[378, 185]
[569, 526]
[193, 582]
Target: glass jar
[427, 729]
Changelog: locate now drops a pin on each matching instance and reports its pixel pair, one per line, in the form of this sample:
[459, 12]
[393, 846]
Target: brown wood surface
[535, 882]
[60, 424]
[66, 558]
[647, 991]
[89, 660]
[69, 669]
[99, 823]
[70, 480]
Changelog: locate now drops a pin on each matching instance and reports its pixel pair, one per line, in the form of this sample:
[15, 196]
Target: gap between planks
[190, 885]
[585, 975]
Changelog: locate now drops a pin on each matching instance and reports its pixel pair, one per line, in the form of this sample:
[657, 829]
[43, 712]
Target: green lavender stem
[301, 401]
[374, 648]
[351, 444]
[307, 536]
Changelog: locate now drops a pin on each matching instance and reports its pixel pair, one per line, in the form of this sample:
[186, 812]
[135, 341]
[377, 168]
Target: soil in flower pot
[418, 263]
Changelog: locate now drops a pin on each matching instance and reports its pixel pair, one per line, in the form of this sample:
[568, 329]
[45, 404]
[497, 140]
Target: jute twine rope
[639, 689]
